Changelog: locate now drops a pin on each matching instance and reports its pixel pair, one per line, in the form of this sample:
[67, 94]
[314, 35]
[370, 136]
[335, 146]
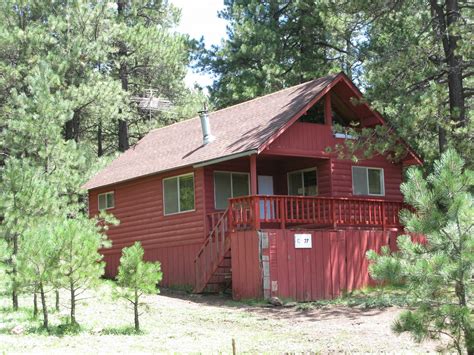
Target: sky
[199, 18]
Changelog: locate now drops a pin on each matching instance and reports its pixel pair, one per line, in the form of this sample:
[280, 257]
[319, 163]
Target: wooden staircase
[213, 261]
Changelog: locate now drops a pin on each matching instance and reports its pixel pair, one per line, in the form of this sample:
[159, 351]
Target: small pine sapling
[137, 277]
[38, 261]
[80, 265]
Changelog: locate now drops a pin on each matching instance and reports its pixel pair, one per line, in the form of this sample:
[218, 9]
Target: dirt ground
[180, 323]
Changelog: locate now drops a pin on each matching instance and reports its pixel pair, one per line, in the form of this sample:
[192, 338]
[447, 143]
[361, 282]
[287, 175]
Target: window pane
[310, 183]
[171, 195]
[102, 201]
[375, 181]
[110, 200]
[240, 185]
[315, 114]
[222, 189]
[295, 185]
[359, 181]
[186, 193]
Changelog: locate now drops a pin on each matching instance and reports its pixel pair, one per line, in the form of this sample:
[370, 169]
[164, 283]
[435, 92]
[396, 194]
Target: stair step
[229, 274]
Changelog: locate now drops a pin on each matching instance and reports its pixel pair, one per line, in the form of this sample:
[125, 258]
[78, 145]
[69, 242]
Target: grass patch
[179, 288]
[56, 330]
[370, 297]
[126, 330]
[247, 302]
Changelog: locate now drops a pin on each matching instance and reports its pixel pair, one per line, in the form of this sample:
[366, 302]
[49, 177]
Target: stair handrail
[216, 226]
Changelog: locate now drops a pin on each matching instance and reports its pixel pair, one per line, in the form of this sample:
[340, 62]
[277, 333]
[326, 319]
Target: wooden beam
[253, 174]
[327, 109]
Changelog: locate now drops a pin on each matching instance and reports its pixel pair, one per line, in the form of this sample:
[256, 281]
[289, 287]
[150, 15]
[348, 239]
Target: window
[228, 185]
[303, 183]
[315, 114]
[367, 181]
[106, 200]
[178, 194]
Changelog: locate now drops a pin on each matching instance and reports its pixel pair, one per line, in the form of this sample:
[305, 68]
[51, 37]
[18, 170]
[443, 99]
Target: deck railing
[250, 212]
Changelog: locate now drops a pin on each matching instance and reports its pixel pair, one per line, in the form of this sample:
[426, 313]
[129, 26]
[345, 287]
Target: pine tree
[439, 274]
[80, 265]
[275, 44]
[137, 277]
[61, 99]
[413, 59]
[38, 261]
[418, 70]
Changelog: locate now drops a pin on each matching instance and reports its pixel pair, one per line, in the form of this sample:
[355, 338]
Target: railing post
[333, 207]
[282, 212]
[256, 206]
[383, 215]
[230, 217]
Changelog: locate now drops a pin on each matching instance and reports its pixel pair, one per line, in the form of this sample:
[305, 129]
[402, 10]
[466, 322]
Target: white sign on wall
[303, 241]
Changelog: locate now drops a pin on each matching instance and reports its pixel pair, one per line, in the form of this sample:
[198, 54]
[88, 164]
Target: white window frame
[343, 135]
[105, 194]
[179, 196]
[315, 169]
[382, 178]
[231, 184]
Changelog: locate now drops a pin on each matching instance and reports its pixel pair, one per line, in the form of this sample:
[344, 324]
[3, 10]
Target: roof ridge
[173, 124]
[246, 102]
[270, 94]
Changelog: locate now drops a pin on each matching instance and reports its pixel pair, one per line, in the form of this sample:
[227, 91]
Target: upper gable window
[106, 200]
[315, 114]
[178, 194]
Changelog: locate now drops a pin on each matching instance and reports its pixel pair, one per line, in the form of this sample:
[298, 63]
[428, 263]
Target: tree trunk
[14, 273]
[469, 341]
[73, 302]
[135, 308]
[72, 127]
[455, 84]
[45, 307]
[460, 290]
[57, 300]
[123, 144]
[14, 296]
[100, 149]
[122, 136]
[441, 139]
[35, 303]
[446, 17]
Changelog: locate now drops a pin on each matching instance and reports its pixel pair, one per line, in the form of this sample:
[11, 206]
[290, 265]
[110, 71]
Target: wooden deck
[256, 212]
[259, 212]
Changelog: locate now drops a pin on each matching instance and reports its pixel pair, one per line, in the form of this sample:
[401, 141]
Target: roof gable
[247, 127]
[239, 128]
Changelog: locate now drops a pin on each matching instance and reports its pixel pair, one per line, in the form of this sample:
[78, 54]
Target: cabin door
[265, 187]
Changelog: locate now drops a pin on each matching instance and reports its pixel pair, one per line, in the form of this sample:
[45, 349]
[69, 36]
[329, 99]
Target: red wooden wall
[335, 263]
[173, 240]
[342, 177]
[246, 268]
[304, 139]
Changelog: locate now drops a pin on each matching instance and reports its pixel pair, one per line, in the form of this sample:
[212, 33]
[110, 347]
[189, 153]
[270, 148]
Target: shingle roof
[239, 128]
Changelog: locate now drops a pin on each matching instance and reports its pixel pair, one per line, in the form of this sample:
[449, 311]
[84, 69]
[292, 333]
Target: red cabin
[249, 196]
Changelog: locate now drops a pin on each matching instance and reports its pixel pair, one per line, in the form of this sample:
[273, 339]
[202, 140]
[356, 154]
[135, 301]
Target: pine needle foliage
[137, 277]
[439, 273]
